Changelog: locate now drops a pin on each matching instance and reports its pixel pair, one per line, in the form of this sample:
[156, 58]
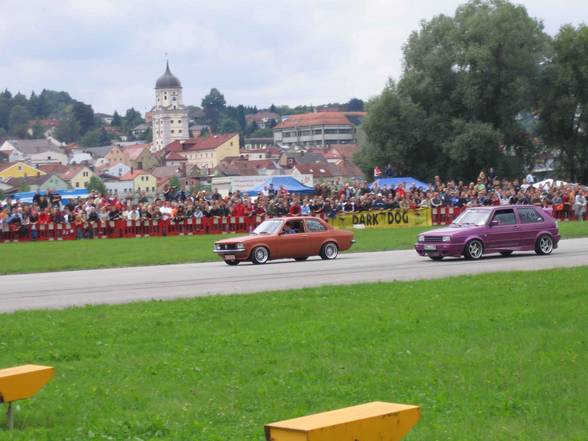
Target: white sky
[109, 53]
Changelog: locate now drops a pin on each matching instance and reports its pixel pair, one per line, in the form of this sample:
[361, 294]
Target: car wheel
[506, 253]
[544, 245]
[329, 251]
[473, 249]
[300, 259]
[232, 262]
[259, 255]
[436, 258]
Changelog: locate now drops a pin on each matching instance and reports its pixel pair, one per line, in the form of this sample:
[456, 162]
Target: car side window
[314, 226]
[529, 216]
[505, 217]
[294, 227]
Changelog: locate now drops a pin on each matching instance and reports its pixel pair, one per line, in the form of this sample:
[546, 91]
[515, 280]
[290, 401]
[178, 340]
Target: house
[263, 119]
[318, 129]
[328, 172]
[98, 152]
[103, 117]
[116, 187]
[257, 143]
[78, 176]
[196, 129]
[290, 158]
[140, 157]
[18, 169]
[40, 183]
[338, 153]
[33, 150]
[4, 157]
[77, 157]
[48, 125]
[53, 169]
[174, 159]
[118, 170]
[206, 152]
[114, 155]
[142, 181]
[140, 130]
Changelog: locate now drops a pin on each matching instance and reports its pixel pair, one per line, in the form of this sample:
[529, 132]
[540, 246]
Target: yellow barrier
[21, 382]
[377, 421]
[396, 218]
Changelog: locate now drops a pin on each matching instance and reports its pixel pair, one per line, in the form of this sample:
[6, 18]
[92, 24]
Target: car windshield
[268, 227]
[472, 217]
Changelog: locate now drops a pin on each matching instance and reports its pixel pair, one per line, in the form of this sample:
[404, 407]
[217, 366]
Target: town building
[77, 176]
[169, 116]
[39, 183]
[318, 129]
[33, 150]
[142, 181]
[206, 152]
[18, 169]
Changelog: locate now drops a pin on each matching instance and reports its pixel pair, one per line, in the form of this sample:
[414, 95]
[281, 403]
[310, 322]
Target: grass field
[86, 254]
[493, 357]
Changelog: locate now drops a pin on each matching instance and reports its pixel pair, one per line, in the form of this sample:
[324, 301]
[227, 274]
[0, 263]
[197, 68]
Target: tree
[68, 131]
[95, 138]
[38, 130]
[96, 184]
[468, 77]
[116, 120]
[84, 115]
[24, 187]
[174, 182]
[564, 102]
[18, 121]
[355, 105]
[213, 106]
[132, 119]
[263, 133]
[228, 125]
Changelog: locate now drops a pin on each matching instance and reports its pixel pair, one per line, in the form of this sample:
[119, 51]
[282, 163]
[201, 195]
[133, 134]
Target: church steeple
[168, 80]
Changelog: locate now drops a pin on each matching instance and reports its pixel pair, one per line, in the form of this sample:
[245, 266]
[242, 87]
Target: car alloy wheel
[329, 251]
[474, 249]
[259, 255]
[544, 245]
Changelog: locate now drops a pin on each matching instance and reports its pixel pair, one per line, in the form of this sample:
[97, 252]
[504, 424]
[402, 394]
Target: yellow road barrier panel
[376, 421]
[21, 382]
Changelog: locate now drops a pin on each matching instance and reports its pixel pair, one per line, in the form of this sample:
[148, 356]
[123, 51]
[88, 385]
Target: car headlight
[217, 246]
[421, 238]
[446, 239]
[240, 246]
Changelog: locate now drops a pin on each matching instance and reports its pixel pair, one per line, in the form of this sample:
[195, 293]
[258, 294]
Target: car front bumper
[439, 249]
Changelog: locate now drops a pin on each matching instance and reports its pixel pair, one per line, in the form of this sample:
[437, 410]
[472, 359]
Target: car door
[531, 223]
[291, 241]
[504, 230]
[317, 233]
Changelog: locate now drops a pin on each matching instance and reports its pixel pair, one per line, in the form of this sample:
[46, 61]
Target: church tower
[170, 117]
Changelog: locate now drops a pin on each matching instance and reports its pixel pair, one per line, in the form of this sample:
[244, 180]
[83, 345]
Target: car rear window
[529, 216]
[314, 225]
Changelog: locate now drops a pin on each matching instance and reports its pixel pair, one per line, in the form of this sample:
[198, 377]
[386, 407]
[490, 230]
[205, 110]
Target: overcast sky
[109, 53]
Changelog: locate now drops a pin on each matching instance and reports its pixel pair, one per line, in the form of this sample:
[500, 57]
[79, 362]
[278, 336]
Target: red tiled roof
[174, 156]
[134, 151]
[201, 143]
[318, 119]
[56, 168]
[71, 172]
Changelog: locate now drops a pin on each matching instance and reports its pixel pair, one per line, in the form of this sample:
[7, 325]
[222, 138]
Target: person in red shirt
[238, 209]
[294, 208]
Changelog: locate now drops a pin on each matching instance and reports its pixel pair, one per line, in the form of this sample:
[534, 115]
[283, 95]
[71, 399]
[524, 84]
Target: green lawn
[493, 357]
[86, 254]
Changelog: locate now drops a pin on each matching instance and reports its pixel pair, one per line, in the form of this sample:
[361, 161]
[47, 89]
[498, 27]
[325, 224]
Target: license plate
[229, 257]
[430, 247]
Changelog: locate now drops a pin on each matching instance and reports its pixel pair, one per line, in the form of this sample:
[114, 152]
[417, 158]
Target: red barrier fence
[187, 227]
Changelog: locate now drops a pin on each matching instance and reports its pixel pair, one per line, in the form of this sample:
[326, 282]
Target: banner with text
[397, 218]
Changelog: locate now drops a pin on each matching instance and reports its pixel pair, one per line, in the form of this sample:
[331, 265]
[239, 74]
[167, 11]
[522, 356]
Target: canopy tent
[408, 182]
[288, 182]
[27, 196]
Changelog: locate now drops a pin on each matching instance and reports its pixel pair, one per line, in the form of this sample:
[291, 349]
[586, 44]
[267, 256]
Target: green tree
[96, 184]
[132, 119]
[355, 105]
[116, 120]
[263, 133]
[18, 121]
[213, 106]
[95, 138]
[174, 182]
[84, 115]
[38, 131]
[564, 102]
[68, 131]
[5, 106]
[24, 187]
[469, 77]
[228, 125]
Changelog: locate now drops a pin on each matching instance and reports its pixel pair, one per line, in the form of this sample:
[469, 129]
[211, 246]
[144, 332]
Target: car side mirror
[494, 223]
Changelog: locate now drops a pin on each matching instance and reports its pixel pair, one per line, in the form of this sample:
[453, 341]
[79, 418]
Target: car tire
[544, 245]
[506, 253]
[474, 249]
[300, 259]
[232, 262]
[259, 255]
[436, 258]
[329, 251]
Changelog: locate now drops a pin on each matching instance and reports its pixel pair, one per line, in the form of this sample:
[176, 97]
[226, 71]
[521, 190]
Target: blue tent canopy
[288, 182]
[394, 182]
[27, 196]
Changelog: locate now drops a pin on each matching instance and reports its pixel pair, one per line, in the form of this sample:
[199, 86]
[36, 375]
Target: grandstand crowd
[566, 201]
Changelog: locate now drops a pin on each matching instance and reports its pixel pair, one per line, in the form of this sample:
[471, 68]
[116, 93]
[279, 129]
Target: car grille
[229, 246]
[433, 239]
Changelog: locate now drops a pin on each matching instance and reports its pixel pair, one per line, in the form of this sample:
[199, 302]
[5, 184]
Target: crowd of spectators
[566, 200]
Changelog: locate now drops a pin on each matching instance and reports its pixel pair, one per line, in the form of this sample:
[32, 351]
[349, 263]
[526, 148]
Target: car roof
[289, 218]
[501, 207]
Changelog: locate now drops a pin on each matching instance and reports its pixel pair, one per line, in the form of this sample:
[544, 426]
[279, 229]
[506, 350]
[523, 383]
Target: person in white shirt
[580, 205]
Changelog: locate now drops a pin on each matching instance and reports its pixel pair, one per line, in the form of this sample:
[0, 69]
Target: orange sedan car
[286, 237]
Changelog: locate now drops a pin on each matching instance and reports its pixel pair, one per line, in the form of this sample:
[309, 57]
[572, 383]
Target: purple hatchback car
[485, 230]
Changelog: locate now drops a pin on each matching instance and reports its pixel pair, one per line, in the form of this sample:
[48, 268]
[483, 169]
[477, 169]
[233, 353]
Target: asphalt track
[124, 285]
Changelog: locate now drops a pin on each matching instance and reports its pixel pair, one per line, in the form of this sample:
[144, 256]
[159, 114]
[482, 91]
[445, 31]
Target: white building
[170, 116]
